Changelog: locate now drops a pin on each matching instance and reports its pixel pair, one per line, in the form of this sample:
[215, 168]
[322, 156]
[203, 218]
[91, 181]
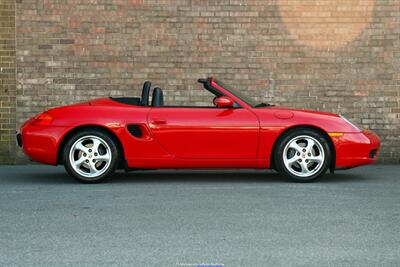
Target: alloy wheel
[303, 156]
[90, 156]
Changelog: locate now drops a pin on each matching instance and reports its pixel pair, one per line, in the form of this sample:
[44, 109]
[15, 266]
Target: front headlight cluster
[351, 123]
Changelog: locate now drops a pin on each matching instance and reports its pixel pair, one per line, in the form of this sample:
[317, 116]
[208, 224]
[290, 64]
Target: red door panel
[220, 133]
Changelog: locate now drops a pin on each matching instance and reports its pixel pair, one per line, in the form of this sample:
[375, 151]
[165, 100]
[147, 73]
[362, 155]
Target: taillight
[42, 119]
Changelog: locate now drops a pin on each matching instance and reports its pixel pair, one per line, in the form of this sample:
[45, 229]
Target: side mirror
[223, 102]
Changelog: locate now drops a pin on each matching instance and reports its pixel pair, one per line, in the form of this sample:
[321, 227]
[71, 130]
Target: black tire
[108, 169]
[294, 170]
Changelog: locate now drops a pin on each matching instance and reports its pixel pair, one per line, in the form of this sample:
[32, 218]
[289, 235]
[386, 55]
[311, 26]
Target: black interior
[136, 101]
[133, 101]
[145, 93]
[158, 98]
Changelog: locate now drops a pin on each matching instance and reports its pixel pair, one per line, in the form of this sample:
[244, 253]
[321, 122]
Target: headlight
[351, 123]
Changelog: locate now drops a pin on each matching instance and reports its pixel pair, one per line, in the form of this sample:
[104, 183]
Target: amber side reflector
[335, 134]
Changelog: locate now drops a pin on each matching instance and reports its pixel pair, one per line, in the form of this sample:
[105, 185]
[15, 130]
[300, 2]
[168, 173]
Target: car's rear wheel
[90, 156]
[302, 155]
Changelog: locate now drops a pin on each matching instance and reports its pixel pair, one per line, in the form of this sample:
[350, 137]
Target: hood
[297, 111]
[288, 117]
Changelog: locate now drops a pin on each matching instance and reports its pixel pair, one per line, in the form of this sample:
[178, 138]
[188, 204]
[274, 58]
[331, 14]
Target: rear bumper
[40, 143]
[355, 149]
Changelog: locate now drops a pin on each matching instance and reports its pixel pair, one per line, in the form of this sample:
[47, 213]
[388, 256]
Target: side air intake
[135, 130]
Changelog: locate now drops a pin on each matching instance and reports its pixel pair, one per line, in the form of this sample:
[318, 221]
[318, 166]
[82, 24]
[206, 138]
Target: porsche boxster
[95, 138]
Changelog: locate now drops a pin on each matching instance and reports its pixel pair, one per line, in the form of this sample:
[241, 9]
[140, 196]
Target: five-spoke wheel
[302, 155]
[90, 156]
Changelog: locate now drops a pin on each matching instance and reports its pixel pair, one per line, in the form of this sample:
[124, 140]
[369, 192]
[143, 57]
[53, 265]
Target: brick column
[7, 82]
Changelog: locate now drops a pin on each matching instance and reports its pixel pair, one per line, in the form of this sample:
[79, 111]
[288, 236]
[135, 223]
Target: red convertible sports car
[94, 138]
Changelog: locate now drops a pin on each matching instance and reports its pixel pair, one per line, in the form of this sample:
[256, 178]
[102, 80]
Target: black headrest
[158, 98]
[144, 101]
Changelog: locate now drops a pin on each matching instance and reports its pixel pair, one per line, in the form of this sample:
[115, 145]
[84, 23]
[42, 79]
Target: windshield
[249, 101]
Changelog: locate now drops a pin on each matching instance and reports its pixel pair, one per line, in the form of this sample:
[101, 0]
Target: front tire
[90, 156]
[302, 155]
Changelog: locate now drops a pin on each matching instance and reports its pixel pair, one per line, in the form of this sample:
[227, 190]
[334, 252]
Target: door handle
[158, 121]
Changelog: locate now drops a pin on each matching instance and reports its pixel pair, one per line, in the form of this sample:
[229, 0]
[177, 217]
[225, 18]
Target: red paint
[193, 133]
[194, 137]
[224, 102]
[283, 114]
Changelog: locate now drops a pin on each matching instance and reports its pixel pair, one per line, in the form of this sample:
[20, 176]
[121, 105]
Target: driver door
[205, 132]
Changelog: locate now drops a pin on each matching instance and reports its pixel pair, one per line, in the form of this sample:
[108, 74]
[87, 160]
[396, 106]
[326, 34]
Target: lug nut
[299, 160]
[306, 160]
[87, 161]
[90, 150]
[94, 161]
[304, 150]
[84, 154]
[298, 153]
[95, 154]
[309, 154]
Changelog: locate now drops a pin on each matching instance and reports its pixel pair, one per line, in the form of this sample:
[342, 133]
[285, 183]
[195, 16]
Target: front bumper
[355, 149]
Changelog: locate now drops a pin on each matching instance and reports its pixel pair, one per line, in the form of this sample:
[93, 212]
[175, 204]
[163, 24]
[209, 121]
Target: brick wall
[7, 81]
[338, 56]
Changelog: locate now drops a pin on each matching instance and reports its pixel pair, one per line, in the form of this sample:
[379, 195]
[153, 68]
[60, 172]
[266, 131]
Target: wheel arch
[308, 127]
[103, 129]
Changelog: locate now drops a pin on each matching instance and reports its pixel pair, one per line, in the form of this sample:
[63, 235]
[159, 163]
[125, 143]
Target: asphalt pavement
[199, 218]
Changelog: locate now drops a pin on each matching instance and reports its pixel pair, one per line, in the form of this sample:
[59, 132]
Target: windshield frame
[245, 99]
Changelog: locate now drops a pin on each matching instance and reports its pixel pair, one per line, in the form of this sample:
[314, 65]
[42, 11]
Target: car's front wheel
[302, 155]
[90, 156]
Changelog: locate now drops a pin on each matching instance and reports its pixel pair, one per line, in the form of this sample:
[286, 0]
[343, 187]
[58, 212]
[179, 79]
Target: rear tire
[302, 155]
[90, 156]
